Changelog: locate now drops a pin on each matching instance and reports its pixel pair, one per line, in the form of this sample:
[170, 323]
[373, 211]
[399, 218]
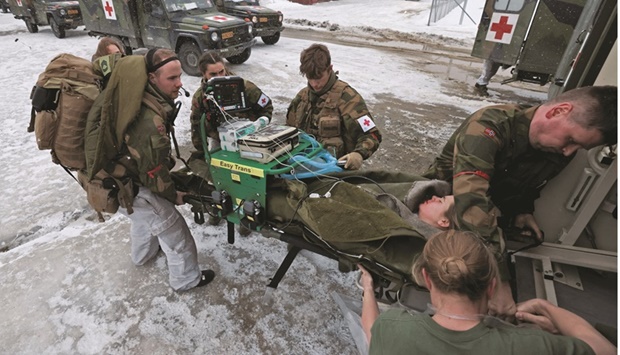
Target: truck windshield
[243, 2]
[185, 5]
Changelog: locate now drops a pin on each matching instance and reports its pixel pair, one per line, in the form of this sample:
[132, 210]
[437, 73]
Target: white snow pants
[489, 68]
[156, 222]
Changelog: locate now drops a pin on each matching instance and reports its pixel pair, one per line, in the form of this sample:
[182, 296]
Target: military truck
[59, 14]
[267, 22]
[188, 27]
[530, 35]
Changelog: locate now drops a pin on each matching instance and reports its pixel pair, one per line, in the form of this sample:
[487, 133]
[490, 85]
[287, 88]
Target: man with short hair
[155, 221]
[502, 156]
[332, 111]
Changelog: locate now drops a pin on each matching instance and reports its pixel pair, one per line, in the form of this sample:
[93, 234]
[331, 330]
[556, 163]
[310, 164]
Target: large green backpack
[83, 126]
[106, 123]
[61, 100]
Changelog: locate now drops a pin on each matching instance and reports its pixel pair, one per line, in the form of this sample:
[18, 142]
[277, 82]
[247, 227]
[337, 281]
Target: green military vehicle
[59, 14]
[188, 27]
[267, 22]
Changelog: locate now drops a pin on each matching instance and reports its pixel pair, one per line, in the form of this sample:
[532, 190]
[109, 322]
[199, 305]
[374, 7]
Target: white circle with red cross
[220, 18]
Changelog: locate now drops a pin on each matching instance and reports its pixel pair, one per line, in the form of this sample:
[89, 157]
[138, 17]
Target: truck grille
[73, 12]
[239, 35]
[267, 21]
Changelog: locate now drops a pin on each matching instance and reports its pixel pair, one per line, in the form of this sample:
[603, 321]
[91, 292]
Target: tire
[59, 31]
[189, 54]
[240, 58]
[271, 39]
[5, 9]
[32, 28]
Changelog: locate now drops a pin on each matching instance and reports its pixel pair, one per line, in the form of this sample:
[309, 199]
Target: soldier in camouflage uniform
[332, 111]
[155, 221]
[212, 65]
[500, 158]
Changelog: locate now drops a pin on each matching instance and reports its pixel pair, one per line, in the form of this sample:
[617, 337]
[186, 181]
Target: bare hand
[366, 279]
[531, 311]
[501, 305]
[179, 201]
[527, 220]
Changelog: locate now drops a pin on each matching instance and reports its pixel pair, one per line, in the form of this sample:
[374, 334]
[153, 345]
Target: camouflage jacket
[259, 103]
[355, 127]
[148, 151]
[493, 169]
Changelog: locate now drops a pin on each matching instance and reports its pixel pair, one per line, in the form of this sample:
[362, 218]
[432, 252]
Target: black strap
[149, 60]
[536, 242]
[70, 174]
[33, 114]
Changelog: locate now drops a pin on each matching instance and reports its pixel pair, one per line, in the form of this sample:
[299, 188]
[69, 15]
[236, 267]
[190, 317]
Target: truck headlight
[250, 29]
[214, 37]
[63, 12]
[280, 18]
[254, 19]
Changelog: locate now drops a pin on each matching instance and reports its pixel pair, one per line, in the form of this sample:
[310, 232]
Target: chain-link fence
[440, 8]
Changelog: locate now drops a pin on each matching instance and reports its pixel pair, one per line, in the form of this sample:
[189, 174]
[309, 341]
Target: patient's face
[434, 211]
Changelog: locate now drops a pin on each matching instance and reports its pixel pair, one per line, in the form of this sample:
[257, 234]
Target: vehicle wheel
[32, 28]
[240, 58]
[189, 54]
[58, 30]
[271, 39]
[4, 8]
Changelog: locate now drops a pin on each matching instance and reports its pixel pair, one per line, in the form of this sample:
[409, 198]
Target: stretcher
[351, 217]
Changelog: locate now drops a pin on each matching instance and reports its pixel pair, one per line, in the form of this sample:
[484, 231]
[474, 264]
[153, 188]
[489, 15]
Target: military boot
[481, 90]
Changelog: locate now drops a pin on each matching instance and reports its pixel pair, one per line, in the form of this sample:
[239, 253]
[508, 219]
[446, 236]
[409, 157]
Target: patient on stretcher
[380, 219]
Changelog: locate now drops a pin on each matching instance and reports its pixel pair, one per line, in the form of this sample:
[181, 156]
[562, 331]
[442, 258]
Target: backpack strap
[151, 102]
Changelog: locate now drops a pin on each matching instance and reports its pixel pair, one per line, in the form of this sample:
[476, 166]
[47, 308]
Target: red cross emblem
[220, 18]
[263, 101]
[19, 3]
[366, 122]
[502, 27]
[489, 132]
[109, 9]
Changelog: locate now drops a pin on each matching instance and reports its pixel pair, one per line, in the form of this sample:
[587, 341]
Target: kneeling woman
[460, 273]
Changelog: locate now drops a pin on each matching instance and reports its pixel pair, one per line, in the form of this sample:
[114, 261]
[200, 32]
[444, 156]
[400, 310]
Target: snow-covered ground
[68, 285]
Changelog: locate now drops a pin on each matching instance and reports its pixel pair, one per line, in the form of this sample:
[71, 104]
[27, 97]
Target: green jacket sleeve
[475, 150]
[259, 103]
[358, 123]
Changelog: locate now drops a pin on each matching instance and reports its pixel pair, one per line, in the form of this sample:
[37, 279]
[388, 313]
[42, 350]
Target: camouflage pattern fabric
[338, 100]
[493, 169]
[148, 149]
[259, 103]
